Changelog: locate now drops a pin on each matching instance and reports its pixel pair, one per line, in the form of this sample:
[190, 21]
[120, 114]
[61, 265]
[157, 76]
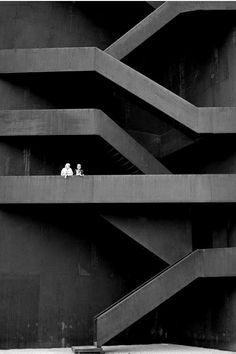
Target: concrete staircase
[213, 120]
[217, 262]
[81, 122]
[158, 186]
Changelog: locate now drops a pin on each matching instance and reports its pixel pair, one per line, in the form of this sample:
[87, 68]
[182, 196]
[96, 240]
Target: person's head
[78, 166]
[67, 165]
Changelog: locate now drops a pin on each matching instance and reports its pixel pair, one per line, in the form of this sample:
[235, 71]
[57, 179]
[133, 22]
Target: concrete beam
[146, 89]
[79, 122]
[118, 189]
[218, 262]
[46, 60]
[200, 263]
[200, 120]
[216, 120]
[157, 20]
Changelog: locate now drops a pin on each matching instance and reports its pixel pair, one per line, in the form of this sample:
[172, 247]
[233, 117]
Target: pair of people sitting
[67, 171]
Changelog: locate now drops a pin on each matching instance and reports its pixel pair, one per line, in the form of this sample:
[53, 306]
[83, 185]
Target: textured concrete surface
[75, 24]
[118, 189]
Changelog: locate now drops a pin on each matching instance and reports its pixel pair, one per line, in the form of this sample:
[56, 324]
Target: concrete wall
[202, 314]
[59, 266]
[196, 62]
[213, 226]
[164, 230]
[211, 154]
[44, 155]
[66, 24]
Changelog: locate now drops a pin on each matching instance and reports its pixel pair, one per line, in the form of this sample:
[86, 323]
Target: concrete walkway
[126, 349]
[160, 349]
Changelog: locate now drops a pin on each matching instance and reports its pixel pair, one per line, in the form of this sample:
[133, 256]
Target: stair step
[122, 158]
[87, 349]
[126, 163]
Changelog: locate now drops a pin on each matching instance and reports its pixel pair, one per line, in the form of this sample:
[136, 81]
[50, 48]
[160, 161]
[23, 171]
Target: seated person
[79, 171]
[66, 171]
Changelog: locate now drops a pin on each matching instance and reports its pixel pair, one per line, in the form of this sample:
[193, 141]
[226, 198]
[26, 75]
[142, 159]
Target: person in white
[66, 171]
[79, 171]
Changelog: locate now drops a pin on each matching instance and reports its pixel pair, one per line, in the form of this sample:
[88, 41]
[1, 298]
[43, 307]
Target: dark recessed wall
[201, 315]
[211, 154]
[65, 264]
[47, 155]
[80, 90]
[193, 56]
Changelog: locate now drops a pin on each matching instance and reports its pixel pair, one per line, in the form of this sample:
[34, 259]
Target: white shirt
[65, 172]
